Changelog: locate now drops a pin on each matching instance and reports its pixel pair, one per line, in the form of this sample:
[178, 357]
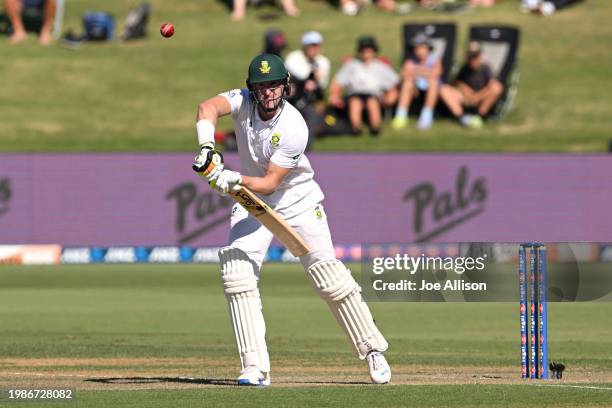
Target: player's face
[269, 93]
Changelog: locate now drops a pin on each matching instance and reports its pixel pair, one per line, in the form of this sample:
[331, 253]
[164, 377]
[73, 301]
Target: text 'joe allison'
[410, 264]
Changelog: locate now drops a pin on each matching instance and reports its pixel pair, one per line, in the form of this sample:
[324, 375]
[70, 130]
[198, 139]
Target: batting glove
[227, 181]
[208, 163]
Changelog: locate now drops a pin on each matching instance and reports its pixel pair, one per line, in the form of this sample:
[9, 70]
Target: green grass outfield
[142, 96]
[159, 335]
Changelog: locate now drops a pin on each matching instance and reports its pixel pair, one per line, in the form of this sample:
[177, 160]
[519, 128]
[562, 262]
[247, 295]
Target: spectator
[429, 3]
[454, 4]
[386, 5]
[368, 82]
[310, 71]
[394, 6]
[274, 42]
[482, 3]
[239, 8]
[475, 87]
[545, 7]
[352, 7]
[421, 73]
[307, 66]
[14, 9]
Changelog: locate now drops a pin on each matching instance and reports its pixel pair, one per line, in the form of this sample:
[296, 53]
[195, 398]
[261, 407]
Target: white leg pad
[335, 284]
[240, 286]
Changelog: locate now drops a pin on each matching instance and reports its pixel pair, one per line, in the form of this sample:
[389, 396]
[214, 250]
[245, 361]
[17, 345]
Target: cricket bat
[271, 220]
[260, 210]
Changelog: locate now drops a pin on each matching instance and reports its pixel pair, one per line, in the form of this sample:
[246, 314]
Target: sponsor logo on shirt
[318, 212]
[275, 139]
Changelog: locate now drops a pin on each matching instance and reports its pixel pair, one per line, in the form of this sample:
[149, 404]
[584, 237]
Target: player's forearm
[262, 185]
[207, 110]
[206, 118]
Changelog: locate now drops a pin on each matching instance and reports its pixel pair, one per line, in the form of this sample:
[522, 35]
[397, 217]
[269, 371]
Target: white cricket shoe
[252, 376]
[380, 372]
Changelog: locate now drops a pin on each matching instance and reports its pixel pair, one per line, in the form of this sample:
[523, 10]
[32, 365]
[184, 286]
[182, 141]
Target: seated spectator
[394, 6]
[274, 42]
[482, 3]
[369, 85]
[429, 3]
[420, 74]
[545, 7]
[13, 11]
[434, 4]
[239, 8]
[352, 7]
[310, 71]
[309, 68]
[475, 87]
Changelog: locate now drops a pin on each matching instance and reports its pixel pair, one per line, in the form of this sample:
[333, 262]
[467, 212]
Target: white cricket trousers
[248, 235]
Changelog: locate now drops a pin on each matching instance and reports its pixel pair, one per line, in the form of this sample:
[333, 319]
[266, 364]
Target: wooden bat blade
[271, 220]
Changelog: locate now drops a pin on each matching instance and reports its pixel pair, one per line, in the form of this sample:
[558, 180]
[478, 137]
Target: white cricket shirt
[280, 140]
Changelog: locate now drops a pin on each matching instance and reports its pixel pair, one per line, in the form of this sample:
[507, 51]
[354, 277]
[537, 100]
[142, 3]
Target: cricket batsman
[271, 136]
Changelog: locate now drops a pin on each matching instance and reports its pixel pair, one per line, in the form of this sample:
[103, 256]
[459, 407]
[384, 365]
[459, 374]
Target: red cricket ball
[167, 30]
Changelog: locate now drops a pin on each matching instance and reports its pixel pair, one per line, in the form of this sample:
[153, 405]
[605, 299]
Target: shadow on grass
[206, 381]
[155, 380]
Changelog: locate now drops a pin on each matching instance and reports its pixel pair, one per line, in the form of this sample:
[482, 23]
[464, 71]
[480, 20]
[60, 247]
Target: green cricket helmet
[266, 68]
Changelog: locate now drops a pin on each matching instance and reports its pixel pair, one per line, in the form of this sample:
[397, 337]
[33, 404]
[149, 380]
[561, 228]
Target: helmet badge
[264, 68]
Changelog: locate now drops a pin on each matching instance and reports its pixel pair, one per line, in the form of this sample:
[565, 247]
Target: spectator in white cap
[308, 64]
[310, 71]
